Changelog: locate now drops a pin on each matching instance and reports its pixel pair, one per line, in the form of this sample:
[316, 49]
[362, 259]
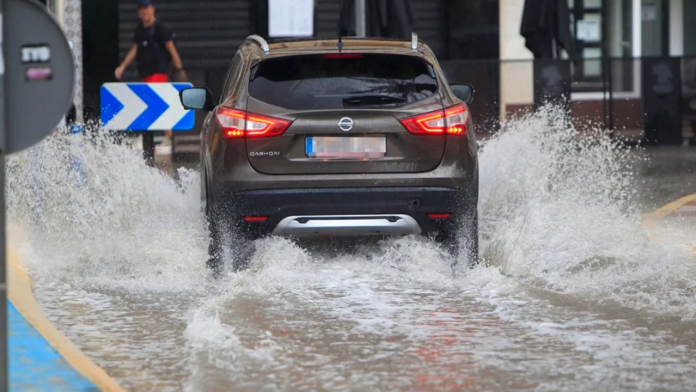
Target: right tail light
[451, 121]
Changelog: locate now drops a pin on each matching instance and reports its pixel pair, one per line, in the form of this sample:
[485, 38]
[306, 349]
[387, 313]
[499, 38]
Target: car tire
[218, 225]
[215, 247]
[462, 240]
[470, 246]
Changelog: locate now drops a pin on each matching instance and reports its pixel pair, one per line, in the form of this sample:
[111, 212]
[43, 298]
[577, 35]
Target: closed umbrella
[384, 18]
[396, 17]
[546, 27]
[346, 18]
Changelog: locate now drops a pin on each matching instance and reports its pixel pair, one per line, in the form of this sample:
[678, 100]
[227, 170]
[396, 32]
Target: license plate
[347, 147]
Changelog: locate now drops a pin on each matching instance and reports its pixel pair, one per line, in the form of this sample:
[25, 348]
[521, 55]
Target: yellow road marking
[653, 220]
[22, 297]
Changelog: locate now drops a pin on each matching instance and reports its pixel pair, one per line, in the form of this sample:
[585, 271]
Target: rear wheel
[222, 245]
[215, 248]
[470, 244]
[462, 240]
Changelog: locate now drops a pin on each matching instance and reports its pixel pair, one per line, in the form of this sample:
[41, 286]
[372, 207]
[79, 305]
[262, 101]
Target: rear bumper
[344, 211]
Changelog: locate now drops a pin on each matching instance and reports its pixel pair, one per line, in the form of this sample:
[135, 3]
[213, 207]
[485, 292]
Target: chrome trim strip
[347, 225]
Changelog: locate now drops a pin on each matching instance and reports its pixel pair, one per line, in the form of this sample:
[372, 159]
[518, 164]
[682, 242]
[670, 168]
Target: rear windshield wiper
[372, 100]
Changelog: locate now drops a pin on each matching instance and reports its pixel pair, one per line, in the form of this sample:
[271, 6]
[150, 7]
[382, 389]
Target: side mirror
[196, 98]
[465, 92]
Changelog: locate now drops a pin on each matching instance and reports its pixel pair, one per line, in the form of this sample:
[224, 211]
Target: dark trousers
[149, 148]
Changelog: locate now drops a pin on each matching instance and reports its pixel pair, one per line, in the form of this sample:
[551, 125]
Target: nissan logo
[346, 124]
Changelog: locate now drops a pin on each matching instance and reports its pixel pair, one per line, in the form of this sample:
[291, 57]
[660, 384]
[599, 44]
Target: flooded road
[571, 296]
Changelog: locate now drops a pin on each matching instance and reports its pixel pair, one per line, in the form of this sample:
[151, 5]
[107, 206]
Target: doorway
[655, 28]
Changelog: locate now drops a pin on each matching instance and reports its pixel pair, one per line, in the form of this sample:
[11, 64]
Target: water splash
[559, 218]
[559, 210]
[111, 223]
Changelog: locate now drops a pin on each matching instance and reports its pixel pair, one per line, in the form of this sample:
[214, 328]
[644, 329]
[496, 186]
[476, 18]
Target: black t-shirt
[152, 55]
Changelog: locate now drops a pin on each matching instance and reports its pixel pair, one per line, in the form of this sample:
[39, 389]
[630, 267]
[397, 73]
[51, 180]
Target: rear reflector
[451, 121]
[255, 218]
[439, 216]
[238, 124]
[330, 56]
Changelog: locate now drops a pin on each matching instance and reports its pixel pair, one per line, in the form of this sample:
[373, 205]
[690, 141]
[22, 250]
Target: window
[655, 21]
[603, 28]
[689, 22]
[336, 81]
[232, 76]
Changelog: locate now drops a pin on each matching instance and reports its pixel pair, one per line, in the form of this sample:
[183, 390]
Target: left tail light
[451, 121]
[238, 124]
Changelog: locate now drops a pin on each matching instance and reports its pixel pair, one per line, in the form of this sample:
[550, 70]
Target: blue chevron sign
[144, 107]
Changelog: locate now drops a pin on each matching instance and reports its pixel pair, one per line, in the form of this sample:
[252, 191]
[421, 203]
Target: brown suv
[342, 137]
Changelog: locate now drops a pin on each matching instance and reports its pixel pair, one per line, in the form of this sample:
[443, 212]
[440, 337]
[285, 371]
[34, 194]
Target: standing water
[571, 294]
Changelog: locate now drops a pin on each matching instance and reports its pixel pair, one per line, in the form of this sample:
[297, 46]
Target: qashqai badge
[346, 124]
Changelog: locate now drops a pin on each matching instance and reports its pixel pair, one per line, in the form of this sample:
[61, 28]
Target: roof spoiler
[264, 45]
[260, 41]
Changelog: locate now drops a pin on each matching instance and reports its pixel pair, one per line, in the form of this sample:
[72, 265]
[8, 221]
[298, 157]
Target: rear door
[345, 114]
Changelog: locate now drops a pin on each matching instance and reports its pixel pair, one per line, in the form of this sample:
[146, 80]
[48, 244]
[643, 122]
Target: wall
[516, 77]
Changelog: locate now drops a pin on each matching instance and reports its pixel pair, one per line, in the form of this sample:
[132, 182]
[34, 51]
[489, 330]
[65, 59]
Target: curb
[22, 298]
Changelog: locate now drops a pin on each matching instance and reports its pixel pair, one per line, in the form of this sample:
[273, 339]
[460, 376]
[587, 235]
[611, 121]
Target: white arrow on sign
[130, 112]
[176, 111]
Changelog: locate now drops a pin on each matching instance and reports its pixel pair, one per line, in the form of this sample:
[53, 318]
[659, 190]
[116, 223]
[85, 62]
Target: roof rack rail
[414, 41]
[259, 40]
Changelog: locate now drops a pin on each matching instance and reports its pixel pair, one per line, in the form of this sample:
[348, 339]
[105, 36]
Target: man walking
[154, 51]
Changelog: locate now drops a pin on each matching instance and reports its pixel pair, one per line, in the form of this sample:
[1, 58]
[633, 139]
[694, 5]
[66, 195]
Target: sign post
[4, 363]
[360, 23]
[37, 80]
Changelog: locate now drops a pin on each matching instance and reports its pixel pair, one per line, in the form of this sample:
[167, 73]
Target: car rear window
[336, 81]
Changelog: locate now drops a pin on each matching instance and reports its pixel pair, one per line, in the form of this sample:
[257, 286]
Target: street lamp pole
[4, 371]
[360, 29]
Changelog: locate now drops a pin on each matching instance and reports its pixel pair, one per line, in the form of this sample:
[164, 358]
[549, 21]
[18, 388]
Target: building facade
[208, 33]
[628, 34]
[477, 41]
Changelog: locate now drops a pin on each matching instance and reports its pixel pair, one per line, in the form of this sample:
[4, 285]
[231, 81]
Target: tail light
[238, 124]
[432, 123]
[451, 121]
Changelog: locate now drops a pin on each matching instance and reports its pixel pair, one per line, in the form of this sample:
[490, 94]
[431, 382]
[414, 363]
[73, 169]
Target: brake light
[432, 123]
[238, 124]
[452, 121]
[330, 56]
[439, 216]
